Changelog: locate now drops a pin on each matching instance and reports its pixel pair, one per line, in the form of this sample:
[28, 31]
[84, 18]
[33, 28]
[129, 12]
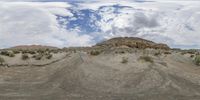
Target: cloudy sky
[65, 23]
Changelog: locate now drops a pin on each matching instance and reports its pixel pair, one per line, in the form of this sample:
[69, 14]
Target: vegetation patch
[146, 59]
[8, 53]
[16, 51]
[167, 52]
[95, 52]
[1, 61]
[157, 54]
[124, 60]
[197, 60]
[38, 57]
[191, 56]
[49, 56]
[25, 57]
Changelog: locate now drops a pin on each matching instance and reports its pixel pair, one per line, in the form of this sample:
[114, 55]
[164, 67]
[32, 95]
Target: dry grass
[49, 56]
[25, 57]
[16, 51]
[167, 52]
[146, 59]
[191, 56]
[94, 52]
[124, 60]
[8, 53]
[37, 56]
[157, 54]
[1, 60]
[197, 60]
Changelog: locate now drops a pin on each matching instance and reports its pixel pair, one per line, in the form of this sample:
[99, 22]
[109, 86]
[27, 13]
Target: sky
[66, 23]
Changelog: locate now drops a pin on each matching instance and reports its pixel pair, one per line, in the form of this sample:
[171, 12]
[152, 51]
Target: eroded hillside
[112, 70]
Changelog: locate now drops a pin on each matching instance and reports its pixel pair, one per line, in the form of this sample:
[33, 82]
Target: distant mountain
[132, 42]
[33, 47]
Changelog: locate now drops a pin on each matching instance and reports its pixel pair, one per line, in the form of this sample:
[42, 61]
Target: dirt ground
[80, 76]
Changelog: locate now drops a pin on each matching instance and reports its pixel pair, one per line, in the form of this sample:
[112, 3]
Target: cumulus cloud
[172, 22]
[175, 22]
[36, 23]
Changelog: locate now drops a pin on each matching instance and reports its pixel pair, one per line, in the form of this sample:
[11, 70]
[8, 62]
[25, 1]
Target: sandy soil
[80, 76]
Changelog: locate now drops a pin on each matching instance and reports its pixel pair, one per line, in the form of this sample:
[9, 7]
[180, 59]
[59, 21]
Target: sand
[80, 76]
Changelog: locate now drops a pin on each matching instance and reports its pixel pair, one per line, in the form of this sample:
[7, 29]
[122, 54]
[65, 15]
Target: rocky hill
[75, 74]
[132, 42]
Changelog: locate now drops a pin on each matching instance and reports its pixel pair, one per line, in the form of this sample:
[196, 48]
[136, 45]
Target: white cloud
[36, 23]
[175, 22]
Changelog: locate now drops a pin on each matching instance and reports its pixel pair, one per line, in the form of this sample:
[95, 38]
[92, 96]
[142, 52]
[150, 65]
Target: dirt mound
[131, 42]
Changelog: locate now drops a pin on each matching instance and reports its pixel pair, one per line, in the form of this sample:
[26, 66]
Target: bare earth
[80, 76]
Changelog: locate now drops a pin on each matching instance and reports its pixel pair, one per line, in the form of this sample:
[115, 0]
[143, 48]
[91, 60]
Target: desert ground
[116, 73]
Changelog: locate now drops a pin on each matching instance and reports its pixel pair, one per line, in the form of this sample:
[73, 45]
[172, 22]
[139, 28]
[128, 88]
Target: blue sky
[65, 23]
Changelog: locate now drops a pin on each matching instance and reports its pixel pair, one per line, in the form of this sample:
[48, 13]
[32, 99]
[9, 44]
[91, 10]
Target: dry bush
[16, 51]
[191, 51]
[157, 54]
[167, 52]
[191, 56]
[41, 51]
[95, 52]
[55, 51]
[147, 59]
[24, 51]
[197, 60]
[38, 57]
[25, 56]
[49, 56]
[7, 53]
[124, 60]
[31, 52]
[4, 53]
[11, 54]
[1, 61]
[183, 53]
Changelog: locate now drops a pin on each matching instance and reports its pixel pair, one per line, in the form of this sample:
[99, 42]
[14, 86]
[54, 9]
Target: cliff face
[132, 42]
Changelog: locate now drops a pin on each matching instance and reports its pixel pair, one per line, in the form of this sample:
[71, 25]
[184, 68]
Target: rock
[132, 42]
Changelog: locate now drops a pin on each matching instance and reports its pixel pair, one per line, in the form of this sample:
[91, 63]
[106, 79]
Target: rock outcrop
[131, 42]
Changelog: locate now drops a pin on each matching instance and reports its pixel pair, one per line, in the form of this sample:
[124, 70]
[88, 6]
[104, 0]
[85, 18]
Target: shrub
[183, 53]
[191, 56]
[49, 56]
[38, 57]
[167, 52]
[54, 51]
[41, 51]
[24, 51]
[124, 60]
[1, 61]
[25, 56]
[32, 52]
[34, 56]
[95, 53]
[7, 53]
[147, 59]
[11, 54]
[157, 54]
[197, 60]
[16, 51]
[191, 51]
